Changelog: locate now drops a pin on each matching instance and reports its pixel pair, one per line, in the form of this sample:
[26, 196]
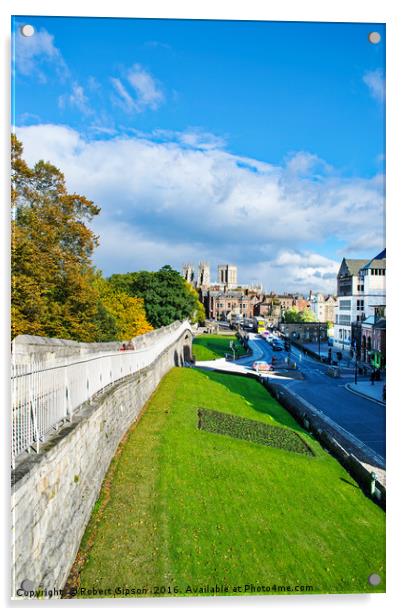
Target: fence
[46, 395]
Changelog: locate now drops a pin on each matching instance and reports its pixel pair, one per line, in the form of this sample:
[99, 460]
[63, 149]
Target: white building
[373, 277]
[323, 307]
[361, 287]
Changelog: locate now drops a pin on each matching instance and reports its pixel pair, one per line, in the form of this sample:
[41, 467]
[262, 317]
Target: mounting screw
[27, 30]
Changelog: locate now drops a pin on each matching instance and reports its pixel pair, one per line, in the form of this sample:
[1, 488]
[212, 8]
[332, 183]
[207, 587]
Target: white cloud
[203, 140]
[77, 98]
[125, 101]
[193, 137]
[290, 258]
[141, 93]
[54, 141]
[34, 52]
[169, 202]
[308, 270]
[305, 163]
[375, 82]
[148, 93]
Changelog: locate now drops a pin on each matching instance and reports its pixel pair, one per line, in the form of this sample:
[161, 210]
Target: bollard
[372, 485]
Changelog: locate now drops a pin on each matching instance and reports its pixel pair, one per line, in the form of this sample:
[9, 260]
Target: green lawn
[189, 507]
[212, 346]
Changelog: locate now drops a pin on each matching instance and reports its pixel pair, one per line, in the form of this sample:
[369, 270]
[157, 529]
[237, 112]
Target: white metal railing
[44, 394]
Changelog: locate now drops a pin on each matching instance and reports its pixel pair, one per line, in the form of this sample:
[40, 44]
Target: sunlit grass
[211, 346]
[191, 508]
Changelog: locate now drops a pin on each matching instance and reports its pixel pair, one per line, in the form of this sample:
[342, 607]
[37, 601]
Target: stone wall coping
[29, 346]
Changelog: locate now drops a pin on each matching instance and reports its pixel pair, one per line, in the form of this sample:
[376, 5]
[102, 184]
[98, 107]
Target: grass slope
[187, 507]
[212, 346]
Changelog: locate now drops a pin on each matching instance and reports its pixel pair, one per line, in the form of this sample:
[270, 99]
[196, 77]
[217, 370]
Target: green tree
[165, 294]
[307, 316]
[292, 315]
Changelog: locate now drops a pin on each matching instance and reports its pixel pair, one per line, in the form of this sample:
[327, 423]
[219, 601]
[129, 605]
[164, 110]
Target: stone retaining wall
[53, 492]
[357, 459]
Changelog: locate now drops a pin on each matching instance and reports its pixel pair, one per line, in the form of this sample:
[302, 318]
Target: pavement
[222, 364]
[358, 415]
[313, 346]
[346, 361]
[368, 390]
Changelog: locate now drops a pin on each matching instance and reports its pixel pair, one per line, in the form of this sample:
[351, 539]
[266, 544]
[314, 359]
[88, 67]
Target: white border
[379, 11]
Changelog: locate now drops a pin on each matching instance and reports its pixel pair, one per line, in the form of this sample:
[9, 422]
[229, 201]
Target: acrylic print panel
[198, 311]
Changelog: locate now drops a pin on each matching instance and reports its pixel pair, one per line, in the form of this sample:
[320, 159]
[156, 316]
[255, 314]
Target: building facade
[361, 292]
[350, 306]
[225, 305]
[304, 332]
[323, 307]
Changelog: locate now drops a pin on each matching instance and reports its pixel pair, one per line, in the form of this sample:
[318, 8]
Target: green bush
[250, 430]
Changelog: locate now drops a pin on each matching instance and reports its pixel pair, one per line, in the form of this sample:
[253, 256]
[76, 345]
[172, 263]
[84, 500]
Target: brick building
[228, 304]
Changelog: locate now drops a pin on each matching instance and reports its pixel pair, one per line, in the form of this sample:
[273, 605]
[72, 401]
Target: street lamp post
[319, 342]
[355, 368]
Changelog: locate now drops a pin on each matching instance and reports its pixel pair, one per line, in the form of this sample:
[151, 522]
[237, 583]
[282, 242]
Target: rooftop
[354, 265]
[379, 261]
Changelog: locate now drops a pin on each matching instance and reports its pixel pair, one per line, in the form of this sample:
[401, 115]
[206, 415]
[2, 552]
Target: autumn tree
[198, 315]
[120, 316]
[52, 272]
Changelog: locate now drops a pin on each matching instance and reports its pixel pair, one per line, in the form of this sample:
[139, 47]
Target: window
[345, 304]
[360, 304]
[344, 319]
[360, 287]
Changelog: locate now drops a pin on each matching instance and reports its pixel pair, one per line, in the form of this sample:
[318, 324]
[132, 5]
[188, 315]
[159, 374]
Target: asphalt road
[361, 417]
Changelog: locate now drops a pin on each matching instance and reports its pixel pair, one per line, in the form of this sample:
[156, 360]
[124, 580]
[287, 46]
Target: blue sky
[258, 143]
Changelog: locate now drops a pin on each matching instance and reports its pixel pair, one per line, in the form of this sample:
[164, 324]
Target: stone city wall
[27, 349]
[54, 492]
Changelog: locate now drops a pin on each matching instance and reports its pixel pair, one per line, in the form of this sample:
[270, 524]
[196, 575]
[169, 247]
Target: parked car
[262, 366]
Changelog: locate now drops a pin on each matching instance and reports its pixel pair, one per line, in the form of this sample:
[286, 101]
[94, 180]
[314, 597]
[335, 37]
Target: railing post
[67, 403]
[32, 405]
[87, 380]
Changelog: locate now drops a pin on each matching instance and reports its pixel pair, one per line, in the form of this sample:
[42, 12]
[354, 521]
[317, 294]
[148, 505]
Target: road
[361, 417]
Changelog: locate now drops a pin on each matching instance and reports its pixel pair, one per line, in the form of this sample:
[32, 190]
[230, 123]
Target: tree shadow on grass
[351, 483]
[256, 397]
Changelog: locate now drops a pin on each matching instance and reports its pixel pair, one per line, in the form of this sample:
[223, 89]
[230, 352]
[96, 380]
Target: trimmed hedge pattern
[250, 430]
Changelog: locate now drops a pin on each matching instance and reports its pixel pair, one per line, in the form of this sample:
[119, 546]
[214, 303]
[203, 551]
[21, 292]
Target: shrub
[250, 430]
